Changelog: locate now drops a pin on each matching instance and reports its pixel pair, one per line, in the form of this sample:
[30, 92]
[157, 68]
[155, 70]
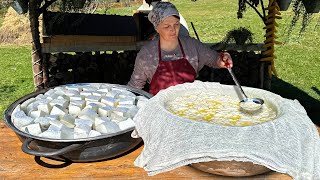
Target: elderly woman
[172, 59]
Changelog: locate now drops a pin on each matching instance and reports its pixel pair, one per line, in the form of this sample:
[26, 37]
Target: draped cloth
[288, 144]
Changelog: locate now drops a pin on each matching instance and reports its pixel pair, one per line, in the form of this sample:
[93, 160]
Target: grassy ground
[297, 63]
[2, 13]
[15, 74]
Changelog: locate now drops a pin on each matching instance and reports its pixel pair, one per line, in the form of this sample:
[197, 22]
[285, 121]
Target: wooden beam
[84, 47]
[236, 47]
[76, 39]
[76, 46]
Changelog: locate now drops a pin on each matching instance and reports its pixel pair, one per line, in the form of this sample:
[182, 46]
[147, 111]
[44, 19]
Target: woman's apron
[170, 73]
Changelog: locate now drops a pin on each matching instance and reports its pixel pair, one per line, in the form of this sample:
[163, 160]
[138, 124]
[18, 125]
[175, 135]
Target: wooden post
[270, 22]
[37, 58]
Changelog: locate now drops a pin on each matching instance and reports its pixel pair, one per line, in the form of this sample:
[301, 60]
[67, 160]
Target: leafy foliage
[239, 36]
[242, 6]
[299, 11]
[74, 6]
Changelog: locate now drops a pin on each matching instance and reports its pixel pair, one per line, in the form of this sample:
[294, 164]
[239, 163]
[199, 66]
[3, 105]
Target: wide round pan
[76, 150]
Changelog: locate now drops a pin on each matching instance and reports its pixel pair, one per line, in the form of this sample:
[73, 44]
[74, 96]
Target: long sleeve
[206, 55]
[147, 60]
[138, 78]
[198, 53]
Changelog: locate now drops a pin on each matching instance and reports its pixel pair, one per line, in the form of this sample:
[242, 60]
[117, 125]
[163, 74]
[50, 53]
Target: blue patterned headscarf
[161, 11]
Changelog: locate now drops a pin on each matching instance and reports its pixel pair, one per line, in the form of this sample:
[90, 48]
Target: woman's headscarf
[161, 11]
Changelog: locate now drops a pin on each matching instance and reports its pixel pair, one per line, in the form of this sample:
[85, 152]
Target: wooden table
[15, 164]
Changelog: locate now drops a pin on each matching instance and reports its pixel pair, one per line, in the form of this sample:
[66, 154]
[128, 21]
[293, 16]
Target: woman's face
[169, 28]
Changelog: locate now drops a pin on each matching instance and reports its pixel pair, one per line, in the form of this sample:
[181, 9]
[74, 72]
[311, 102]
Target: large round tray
[76, 150]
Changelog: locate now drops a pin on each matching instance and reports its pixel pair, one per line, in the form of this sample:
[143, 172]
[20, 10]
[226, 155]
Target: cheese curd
[71, 112]
[214, 108]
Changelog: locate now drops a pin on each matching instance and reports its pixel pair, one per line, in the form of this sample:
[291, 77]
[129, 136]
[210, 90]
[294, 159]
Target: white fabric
[289, 144]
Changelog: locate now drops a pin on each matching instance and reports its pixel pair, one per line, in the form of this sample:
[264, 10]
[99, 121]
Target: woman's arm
[138, 77]
[211, 57]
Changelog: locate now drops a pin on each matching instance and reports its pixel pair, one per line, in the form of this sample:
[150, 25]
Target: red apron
[170, 73]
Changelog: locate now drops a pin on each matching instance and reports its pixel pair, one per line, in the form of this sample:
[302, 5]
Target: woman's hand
[224, 60]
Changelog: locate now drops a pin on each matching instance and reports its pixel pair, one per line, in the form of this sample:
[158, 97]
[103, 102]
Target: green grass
[297, 63]
[15, 74]
[2, 13]
[120, 11]
[1, 20]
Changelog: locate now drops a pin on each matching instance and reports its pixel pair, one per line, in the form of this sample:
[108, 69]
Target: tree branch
[263, 18]
[46, 5]
[263, 10]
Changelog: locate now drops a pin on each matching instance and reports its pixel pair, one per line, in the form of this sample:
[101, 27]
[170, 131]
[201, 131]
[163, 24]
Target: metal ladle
[249, 104]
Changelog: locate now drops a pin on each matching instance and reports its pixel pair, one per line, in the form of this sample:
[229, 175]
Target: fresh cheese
[34, 129]
[98, 93]
[61, 102]
[113, 94]
[127, 124]
[68, 120]
[71, 92]
[52, 96]
[36, 114]
[94, 133]
[109, 101]
[80, 103]
[58, 110]
[78, 111]
[88, 114]
[105, 111]
[93, 98]
[76, 98]
[52, 134]
[127, 100]
[107, 127]
[45, 108]
[41, 96]
[89, 88]
[20, 119]
[87, 122]
[74, 110]
[43, 121]
[74, 88]
[26, 103]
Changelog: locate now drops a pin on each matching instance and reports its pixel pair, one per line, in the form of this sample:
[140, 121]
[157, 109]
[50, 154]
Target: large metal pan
[76, 150]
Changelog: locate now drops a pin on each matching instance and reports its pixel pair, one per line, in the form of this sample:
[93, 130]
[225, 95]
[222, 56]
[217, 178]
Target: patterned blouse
[197, 53]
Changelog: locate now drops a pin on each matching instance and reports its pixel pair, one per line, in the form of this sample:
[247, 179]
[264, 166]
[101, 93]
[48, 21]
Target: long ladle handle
[233, 76]
[236, 81]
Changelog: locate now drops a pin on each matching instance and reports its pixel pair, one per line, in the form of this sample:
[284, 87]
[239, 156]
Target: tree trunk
[37, 58]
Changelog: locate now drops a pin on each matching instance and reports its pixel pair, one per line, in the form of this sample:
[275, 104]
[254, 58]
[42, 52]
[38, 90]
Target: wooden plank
[62, 39]
[14, 164]
[233, 46]
[84, 46]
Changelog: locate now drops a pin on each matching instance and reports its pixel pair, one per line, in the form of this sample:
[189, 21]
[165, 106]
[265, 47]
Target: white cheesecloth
[289, 144]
